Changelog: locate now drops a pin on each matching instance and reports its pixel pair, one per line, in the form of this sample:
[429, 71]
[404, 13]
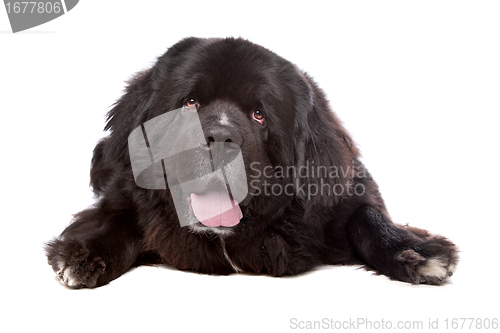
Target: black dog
[309, 201]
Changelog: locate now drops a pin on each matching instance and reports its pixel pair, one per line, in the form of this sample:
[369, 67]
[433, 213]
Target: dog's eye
[258, 116]
[190, 102]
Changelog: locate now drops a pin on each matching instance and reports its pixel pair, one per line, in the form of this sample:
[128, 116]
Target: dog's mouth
[215, 206]
[215, 209]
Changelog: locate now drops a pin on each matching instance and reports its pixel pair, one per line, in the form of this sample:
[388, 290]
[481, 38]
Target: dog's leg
[399, 252]
[99, 246]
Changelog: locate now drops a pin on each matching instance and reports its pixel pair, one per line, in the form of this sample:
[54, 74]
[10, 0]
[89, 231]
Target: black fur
[279, 234]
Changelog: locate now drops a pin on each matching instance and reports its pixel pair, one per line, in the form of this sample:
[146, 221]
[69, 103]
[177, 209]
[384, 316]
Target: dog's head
[261, 127]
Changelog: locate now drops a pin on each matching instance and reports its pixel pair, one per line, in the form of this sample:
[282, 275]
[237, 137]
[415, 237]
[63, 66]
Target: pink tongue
[216, 208]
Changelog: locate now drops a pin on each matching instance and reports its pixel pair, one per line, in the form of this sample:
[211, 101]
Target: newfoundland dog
[224, 157]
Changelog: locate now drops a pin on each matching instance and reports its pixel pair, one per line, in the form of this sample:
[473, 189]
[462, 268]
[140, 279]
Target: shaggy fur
[280, 234]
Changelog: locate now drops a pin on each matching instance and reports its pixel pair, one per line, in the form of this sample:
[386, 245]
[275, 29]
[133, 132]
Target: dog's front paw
[73, 263]
[432, 262]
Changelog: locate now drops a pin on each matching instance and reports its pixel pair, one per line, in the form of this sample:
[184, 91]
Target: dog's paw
[81, 272]
[435, 261]
[73, 263]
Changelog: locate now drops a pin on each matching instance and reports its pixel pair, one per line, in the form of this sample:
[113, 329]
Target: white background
[416, 83]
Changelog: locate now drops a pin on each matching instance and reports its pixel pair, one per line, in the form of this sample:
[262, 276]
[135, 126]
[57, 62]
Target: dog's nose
[222, 133]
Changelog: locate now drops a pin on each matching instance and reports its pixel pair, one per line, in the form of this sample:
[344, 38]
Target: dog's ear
[142, 87]
[324, 153]
[132, 109]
